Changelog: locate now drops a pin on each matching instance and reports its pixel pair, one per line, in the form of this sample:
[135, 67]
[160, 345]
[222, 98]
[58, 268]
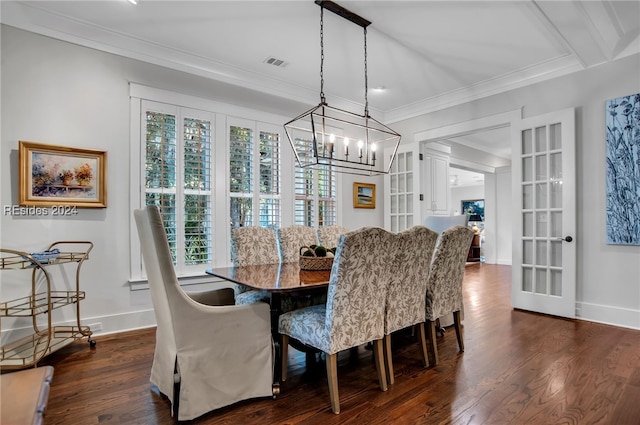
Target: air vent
[276, 62]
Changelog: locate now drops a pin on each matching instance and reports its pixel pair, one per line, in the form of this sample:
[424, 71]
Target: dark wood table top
[279, 277]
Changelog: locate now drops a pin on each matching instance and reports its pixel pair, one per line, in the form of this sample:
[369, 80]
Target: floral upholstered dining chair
[292, 238]
[406, 295]
[354, 313]
[444, 287]
[252, 245]
[329, 235]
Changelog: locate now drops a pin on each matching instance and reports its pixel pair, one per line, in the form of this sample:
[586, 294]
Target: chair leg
[458, 327]
[332, 379]
[387, 359]
[378, 354]
[284, 353]
[176, 399]
[423, 344]
[433, 345]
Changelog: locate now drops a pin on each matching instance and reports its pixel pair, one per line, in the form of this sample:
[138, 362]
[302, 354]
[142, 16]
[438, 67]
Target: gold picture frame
[51, 175]
[364, 195]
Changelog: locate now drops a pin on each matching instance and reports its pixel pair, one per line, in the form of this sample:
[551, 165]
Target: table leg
[276, 310]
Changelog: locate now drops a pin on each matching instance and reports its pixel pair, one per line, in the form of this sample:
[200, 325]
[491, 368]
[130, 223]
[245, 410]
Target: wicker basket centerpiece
[316, 257]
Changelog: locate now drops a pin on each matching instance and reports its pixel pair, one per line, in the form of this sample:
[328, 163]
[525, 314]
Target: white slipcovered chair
[444, 287]
[209, 353]
[354, 313]
[407, 288]
[330, 235]
[252, 245]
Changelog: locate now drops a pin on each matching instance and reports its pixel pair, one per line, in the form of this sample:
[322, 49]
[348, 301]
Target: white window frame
[256, 128]
[223, 114]
[316, 198]
[179, 192]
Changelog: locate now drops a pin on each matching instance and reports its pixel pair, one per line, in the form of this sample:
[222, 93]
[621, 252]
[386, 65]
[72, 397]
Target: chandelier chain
[366, 83]
[322, 98]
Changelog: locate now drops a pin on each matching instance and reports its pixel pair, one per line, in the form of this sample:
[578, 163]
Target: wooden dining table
[276, 279]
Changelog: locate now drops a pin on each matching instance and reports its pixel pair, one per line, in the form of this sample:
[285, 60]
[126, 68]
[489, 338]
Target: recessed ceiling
[497, 141]
[426, 54]
[464, 178]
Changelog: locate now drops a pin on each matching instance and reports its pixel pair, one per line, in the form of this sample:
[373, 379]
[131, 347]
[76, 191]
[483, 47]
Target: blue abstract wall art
[623, 170]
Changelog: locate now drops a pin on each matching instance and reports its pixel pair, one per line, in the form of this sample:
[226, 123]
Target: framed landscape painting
[52, 175]
[364, 195]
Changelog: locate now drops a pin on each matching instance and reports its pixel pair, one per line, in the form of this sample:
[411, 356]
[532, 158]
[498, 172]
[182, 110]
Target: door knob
[565, 239]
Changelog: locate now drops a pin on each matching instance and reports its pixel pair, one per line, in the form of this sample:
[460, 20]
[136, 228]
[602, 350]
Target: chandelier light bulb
[332, 140]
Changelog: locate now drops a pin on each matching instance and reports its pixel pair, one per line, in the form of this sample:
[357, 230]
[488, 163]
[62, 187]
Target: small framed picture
[364, 195]
[52, 175]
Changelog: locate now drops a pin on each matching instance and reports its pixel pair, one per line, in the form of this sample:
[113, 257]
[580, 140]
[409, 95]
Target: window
[254, 175]
[315, 192]
[240, 176]
[210, 170]
[177, 178]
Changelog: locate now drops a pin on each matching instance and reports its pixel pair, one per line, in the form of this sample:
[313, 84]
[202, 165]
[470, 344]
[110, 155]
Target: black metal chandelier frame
[324, 125]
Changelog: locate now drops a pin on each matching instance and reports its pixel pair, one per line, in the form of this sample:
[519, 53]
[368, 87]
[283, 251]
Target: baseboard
[108, 325]
[616, 316]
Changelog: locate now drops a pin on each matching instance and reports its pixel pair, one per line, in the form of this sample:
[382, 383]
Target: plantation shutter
[197, 191]
[269, 176]
[161, 171]
[315, 191]
[241, 175]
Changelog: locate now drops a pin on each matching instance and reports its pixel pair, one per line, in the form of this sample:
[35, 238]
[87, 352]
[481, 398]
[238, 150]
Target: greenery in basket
[319, 250]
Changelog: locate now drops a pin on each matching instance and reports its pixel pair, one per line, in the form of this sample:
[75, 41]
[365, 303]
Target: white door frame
[491, 122]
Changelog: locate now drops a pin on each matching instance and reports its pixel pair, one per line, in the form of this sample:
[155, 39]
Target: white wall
[62, 94]
[353, 218]
[608, 276]
[59, 93]
[502, 244]
[466, 192]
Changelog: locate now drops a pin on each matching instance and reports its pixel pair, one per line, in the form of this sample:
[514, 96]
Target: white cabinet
[435, 180]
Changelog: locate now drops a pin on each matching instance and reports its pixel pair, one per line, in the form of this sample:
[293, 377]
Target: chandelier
[348, 142]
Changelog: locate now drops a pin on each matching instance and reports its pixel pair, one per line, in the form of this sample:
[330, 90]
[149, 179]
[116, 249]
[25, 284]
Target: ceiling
[464, 178]
[427, 55]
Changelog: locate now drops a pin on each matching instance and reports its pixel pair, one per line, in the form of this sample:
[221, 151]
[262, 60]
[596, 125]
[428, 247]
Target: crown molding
[558, 67]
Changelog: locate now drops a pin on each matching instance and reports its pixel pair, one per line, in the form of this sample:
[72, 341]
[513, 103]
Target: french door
[402, 198]
[544, 246]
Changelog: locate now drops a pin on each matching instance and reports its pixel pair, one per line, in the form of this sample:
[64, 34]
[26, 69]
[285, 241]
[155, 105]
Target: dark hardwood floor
[517, 368]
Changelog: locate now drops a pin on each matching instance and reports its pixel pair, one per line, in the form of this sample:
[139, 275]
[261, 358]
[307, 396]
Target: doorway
[483, 146]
